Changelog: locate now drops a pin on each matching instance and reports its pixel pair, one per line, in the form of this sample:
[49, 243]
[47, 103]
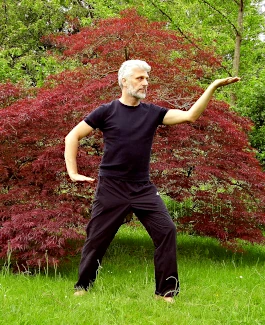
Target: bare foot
[80, 293]
[166, 299]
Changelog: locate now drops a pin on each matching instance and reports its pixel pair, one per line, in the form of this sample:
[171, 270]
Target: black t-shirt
[128, 133]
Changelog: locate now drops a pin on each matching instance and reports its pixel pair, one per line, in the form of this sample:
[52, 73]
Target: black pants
[114, 199]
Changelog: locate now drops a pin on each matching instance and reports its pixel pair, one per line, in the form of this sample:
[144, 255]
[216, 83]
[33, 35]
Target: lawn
[217, 287]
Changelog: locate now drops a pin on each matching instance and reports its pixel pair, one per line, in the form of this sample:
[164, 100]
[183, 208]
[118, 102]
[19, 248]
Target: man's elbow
[67, 138]
[192, 119]
[71, 136]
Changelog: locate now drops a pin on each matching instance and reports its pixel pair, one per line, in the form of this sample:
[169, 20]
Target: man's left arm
[176, 116]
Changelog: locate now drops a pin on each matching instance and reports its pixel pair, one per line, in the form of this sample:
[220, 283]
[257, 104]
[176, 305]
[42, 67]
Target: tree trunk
[239, 33]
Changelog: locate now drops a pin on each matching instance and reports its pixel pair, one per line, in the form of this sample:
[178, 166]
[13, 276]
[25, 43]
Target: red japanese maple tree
[209, 164]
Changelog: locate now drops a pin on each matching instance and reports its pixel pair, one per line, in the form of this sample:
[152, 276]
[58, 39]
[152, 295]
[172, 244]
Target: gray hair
[126, 69]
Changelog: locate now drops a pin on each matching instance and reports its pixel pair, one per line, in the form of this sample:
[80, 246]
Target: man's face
[136, 85]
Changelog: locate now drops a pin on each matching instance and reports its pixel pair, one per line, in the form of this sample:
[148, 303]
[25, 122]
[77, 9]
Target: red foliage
[42, 212]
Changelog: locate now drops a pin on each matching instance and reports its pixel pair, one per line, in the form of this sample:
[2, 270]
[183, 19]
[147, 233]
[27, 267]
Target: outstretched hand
[81, 178]
[226, 81]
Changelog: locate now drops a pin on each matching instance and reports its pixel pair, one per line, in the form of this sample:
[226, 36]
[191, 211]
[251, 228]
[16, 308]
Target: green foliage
[257, 138]
[178, 209]
[31, 69]
[26, 21]
[251, 103]
[213, 22]
[22, 54]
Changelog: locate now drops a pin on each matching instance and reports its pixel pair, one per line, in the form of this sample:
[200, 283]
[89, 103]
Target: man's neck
[129, 101]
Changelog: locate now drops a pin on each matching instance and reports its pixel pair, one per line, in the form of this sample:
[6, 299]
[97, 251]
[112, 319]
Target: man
[128, 127]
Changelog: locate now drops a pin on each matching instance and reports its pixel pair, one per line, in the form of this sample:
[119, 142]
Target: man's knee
[172, 229]
[168, 230]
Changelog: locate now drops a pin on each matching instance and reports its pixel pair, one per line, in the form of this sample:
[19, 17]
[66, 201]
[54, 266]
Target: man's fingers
[233, 79]
[226, 81]
[91, 180]
[229, 80]
[82, 178]
[86, 179]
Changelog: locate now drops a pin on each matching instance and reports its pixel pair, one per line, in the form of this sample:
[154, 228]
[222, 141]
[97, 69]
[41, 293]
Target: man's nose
[145, 82]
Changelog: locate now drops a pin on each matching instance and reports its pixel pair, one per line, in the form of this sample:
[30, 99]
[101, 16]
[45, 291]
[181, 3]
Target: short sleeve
[162, 111]
[95, 118]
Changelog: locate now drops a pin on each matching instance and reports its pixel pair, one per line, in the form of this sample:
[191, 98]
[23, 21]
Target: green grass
[217, 287]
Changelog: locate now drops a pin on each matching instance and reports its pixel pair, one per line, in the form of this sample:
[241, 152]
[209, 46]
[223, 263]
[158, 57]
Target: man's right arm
[80, 131]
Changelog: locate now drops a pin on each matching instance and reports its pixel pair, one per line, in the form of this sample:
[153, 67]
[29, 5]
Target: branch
[103, 75]
[175, 102]
[178, 28]
[183, 34]
[89, 7]
[237, 184]
[219, 12]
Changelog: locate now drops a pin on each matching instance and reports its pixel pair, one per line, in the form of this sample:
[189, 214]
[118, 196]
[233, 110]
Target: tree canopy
[23, 22]
[209, 165]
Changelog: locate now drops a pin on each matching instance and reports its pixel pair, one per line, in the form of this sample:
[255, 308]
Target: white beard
[131, 91]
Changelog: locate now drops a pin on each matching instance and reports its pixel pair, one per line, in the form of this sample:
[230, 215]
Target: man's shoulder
[108, 105]
[104, 108]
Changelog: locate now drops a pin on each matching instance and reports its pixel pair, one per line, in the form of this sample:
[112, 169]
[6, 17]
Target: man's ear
[124, 82]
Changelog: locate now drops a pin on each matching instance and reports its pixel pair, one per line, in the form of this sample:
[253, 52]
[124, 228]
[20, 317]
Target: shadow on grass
[210, 248]
[189, 246]
[133, 245]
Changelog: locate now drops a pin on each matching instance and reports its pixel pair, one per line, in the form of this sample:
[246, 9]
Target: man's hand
[224, 82]
[81, 178]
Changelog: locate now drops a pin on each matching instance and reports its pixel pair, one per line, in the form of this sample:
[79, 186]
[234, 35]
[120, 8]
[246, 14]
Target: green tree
[230, 27]
[25, 22]
[252, 103]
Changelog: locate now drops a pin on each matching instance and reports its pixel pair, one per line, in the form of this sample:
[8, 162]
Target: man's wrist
[72, 174]
[213, 86]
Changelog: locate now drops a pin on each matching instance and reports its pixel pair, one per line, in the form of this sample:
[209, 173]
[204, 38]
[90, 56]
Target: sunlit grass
[217, 287]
